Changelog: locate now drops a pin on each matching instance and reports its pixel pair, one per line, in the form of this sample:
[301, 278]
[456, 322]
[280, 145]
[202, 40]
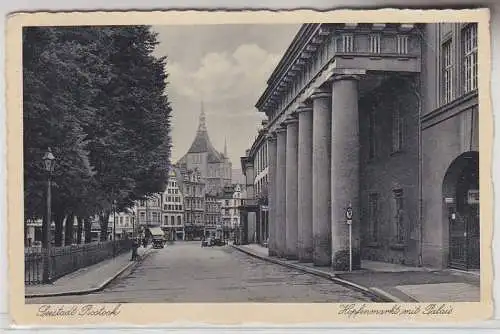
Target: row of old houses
[198, 199]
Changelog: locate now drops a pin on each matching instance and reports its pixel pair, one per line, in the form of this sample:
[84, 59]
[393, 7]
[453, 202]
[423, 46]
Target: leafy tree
[96, 95]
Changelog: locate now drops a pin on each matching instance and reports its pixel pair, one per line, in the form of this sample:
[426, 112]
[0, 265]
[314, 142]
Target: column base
[340, 260]
[306, 255]
[322, 251]
[291, 257]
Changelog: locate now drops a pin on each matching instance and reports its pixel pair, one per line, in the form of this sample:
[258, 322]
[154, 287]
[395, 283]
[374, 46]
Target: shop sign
[473, 196]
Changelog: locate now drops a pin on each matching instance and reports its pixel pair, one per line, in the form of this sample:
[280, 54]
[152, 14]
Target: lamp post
[49, 163]
[114, 227]
[114, 220]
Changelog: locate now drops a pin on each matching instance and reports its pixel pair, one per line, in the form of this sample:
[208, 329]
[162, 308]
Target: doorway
[461, 197]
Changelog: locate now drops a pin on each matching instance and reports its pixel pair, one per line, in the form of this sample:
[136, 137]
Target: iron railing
[67, 259]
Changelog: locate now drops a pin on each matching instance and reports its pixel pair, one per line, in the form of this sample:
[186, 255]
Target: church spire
[225, 147]
[202, 126]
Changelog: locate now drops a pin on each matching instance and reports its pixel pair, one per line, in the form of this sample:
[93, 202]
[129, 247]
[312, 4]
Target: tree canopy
[97, 97]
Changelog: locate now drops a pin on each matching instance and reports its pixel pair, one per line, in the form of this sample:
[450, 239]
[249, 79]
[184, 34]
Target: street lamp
[49, 163]
[133, 225]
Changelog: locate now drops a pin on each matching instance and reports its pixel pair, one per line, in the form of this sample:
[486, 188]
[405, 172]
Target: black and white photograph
[329, 162]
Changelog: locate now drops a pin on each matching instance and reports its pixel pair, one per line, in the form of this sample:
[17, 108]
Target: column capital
[271, 136]
[281, 128]
[347, 74]
[304, 107]
[291, 119]
[324, 91]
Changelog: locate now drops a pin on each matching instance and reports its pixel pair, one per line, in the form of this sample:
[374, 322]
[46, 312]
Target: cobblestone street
[185, 272]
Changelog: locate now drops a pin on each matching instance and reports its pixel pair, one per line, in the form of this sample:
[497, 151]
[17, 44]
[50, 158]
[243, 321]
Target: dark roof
[202, 144]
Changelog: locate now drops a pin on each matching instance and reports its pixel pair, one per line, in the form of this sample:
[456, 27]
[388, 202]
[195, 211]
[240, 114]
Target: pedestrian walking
[135, 245]
[144, 242]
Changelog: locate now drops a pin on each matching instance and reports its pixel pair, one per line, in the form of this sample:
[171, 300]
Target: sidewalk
[89, 279]
[391, 282]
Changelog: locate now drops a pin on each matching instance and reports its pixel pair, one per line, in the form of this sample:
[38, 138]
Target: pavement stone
[88, 279]
[392, 282]
[461, 292]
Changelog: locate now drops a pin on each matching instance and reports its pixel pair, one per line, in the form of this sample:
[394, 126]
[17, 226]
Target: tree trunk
[88, 230]
[79, 230]
[103, 220]
[68, 231]
[59, 222]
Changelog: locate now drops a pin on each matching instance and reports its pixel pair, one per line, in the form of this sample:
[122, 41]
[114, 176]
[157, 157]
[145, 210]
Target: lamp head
[49, 161]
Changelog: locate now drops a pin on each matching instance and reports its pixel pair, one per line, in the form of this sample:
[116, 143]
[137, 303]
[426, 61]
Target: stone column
[291, 187]
[281, 191]
[271, 174]
[305, 181]
[345, 170]
[321, 177]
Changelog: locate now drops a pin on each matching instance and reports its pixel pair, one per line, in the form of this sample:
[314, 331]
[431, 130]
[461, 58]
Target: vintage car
[208, 242]
[158, 242]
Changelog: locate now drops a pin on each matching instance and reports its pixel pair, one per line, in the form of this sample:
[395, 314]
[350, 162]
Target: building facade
[214, 167]
[450, 146]
[213, 218]
[193, 191]
[255, 216]
[230, 203]
[381, 121]
[123, 223]
[149, 211]
[173, 208]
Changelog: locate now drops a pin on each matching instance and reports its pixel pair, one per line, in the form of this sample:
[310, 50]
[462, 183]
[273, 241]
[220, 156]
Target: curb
[99, 288]
[377, 294]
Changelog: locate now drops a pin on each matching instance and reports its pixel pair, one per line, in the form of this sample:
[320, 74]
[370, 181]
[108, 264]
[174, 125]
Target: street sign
[348, 213]
[348, 216]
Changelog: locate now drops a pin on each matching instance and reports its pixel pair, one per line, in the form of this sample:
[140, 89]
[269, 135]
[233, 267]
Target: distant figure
[135, 245]
[144, 242]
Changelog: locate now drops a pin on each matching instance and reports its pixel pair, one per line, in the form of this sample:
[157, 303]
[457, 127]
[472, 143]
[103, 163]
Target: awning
[156, 231]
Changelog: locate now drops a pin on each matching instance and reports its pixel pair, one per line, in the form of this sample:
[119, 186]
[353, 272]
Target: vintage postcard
[243, 167]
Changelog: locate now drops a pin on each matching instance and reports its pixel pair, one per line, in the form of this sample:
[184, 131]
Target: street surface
[185, 272]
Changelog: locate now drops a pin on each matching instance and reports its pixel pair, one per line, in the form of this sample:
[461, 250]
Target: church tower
[212, 164]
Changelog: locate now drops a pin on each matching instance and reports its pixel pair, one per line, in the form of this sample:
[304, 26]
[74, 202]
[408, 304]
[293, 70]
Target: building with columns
[383, 119]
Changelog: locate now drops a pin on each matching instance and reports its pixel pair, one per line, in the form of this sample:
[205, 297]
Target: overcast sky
[227, 67]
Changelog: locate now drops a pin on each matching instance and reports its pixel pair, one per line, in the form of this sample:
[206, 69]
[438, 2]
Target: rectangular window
[348, 43]
[398, 133]
[333, 46]
[402, 44]
[375, 43]
[371, 134]
[447, 72]
[373, 216]
[469, 45]
[399, 216]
